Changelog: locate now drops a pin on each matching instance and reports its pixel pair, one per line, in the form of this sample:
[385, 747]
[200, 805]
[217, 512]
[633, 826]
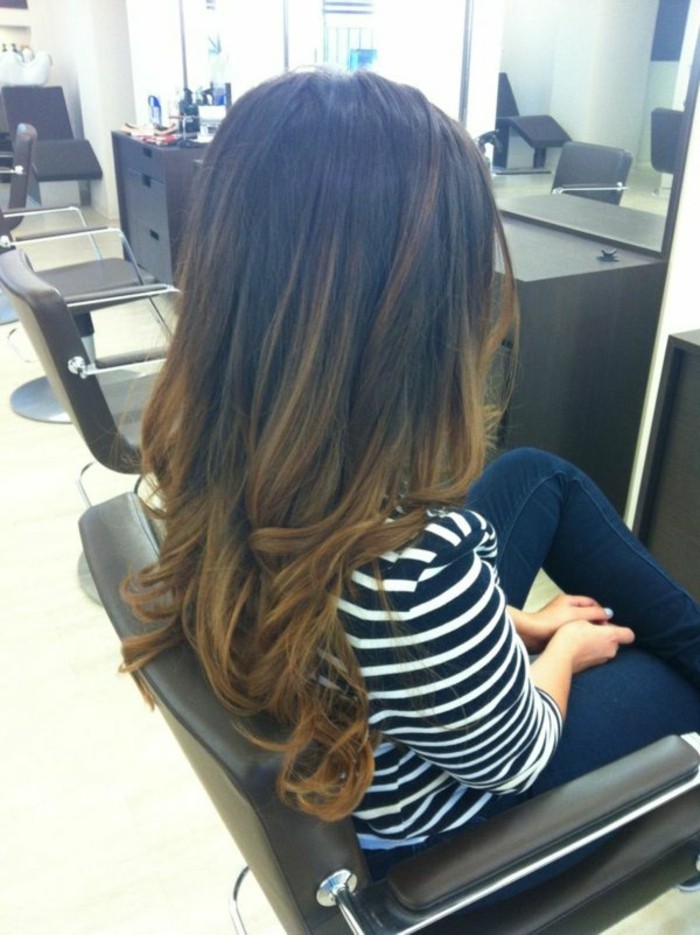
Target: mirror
[599, 68]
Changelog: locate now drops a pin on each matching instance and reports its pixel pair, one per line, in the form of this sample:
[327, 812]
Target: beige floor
[105, 830]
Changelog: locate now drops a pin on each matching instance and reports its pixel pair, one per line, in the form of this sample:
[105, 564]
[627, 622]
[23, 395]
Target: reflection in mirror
[598, 69]
[402, 39]
[205, 59]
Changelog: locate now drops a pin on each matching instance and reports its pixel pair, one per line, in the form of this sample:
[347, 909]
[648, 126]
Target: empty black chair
[17, 209]
[58, 155]
[308, 868]
[665, 132]
[592, 171]
[540, 131]
[86, 285]
[104, 398]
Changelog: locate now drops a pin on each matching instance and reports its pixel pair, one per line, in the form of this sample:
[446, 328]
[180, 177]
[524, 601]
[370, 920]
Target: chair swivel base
[35, 400]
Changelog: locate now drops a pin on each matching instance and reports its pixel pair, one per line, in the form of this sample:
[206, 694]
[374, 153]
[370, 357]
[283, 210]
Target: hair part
[336, 324]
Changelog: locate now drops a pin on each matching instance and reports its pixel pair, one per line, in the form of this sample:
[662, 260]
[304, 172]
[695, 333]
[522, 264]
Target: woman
[319, 423]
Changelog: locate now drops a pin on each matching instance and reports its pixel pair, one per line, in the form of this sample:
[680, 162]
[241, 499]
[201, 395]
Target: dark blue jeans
[550, 515]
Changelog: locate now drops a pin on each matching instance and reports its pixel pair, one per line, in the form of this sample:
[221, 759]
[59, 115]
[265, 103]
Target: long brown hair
[337, 319]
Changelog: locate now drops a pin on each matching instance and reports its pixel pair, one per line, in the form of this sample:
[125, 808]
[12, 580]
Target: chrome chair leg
[233, 903]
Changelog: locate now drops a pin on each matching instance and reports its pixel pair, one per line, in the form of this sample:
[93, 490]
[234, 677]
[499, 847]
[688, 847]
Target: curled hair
[337, 320]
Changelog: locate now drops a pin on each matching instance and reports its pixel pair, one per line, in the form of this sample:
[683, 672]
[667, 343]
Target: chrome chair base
[35, 400]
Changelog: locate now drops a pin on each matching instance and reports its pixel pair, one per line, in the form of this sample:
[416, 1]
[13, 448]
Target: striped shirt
[448, 684]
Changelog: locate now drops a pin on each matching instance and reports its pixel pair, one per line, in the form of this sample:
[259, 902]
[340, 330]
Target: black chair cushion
[539, 131]
[83, 281]
[65, 160]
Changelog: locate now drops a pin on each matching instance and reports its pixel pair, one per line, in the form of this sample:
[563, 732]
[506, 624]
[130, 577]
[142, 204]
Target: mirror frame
[691, 101]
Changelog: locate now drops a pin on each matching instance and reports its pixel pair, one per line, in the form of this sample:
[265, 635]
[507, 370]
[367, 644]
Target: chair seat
[80, 282]
[540, 131]
[65, 160]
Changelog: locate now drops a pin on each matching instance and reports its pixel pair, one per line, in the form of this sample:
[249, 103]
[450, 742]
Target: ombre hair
[339, 313]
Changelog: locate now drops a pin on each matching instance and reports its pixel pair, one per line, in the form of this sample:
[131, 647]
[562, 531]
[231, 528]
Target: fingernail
[608, 611]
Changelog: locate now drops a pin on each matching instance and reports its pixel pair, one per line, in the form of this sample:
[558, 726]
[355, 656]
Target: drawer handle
[146, 180]
[146, 152]
[154, 235]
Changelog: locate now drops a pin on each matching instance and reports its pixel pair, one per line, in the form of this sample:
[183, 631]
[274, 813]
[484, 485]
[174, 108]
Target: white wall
[421, 44]
[253, 35]
[156, 54]
[305, 33]
[486, 23]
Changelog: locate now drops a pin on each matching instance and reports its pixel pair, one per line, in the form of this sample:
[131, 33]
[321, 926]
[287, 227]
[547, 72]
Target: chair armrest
[120, 296]
[63, 209]
[41, 236]
[66, 235]
[534, 834]
[89, 232]
[452, 876]
[617, 187]
[115, 362]
[130, 358]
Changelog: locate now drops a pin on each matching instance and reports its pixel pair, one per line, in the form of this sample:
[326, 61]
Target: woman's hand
[574, 647]
[585, 646]
[537, 628]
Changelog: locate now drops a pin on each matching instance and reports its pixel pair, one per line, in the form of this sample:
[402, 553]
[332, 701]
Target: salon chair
[17, 209]
[592, 171]
[665, 133]
[313, 872]
[86, 286]
[103, 397]
[540, 131]
[58, 155]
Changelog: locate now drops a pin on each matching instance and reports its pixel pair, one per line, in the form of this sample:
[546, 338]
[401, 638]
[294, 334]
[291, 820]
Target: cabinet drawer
[142, 158]
[145, 200]
[152, 250]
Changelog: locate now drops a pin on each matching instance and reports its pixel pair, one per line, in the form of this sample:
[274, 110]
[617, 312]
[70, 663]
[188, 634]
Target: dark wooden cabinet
[153, 187]
[586, 340]
[668, 513]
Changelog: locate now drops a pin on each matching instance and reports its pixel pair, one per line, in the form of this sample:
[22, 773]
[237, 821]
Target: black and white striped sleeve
[446, 673]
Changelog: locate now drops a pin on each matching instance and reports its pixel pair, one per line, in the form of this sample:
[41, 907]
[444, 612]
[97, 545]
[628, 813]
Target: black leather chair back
[598, 167]
[111, 436]
[665, 132]
[46, 105]
[505, 102]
